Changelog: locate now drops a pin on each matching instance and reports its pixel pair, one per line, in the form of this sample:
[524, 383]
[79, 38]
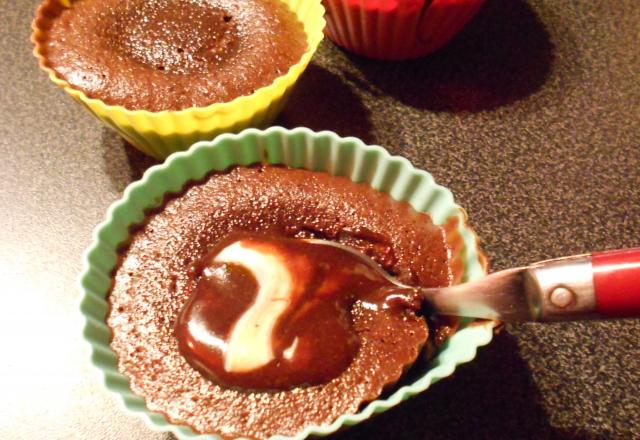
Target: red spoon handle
[616, 281]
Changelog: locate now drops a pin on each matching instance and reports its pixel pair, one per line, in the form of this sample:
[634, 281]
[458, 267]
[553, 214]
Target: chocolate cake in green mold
[161, 268]
[171, 54]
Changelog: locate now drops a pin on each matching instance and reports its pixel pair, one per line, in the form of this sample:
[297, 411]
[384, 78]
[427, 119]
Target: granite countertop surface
[531, 116]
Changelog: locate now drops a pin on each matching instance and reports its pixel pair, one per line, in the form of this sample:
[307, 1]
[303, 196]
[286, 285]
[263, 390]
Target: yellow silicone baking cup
[159, 134]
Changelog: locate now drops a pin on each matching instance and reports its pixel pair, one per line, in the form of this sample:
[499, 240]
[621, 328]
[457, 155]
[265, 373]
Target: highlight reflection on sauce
[275, 313]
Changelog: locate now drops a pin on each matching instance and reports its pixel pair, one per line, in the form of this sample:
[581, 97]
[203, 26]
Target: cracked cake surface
[170, 54]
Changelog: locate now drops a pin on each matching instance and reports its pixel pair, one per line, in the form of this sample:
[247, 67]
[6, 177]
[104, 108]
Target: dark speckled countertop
[531, 116]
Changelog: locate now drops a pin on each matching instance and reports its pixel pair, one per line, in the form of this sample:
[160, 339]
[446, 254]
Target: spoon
[591, 286]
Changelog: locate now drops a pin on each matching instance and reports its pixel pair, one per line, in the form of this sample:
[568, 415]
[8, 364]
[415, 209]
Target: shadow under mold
[323, 101]
[503, 55]
[492, 397]
[123, 163]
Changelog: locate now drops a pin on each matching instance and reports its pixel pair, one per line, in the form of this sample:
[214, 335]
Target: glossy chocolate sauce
[312, 340]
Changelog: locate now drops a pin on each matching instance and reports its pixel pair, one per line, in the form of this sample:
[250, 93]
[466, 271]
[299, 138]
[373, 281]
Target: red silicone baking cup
[396, 29]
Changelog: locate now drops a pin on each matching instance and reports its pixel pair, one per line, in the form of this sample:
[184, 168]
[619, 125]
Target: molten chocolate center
[275, 313]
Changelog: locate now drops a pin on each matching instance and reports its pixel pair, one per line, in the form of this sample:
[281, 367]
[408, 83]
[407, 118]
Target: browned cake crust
[171, 54]
[155, 278]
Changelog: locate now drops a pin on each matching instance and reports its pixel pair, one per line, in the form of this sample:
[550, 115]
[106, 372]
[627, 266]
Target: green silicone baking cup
[298, 148]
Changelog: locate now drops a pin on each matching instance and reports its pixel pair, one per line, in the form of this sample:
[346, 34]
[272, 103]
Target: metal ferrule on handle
[562, 289]
[593, 286]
